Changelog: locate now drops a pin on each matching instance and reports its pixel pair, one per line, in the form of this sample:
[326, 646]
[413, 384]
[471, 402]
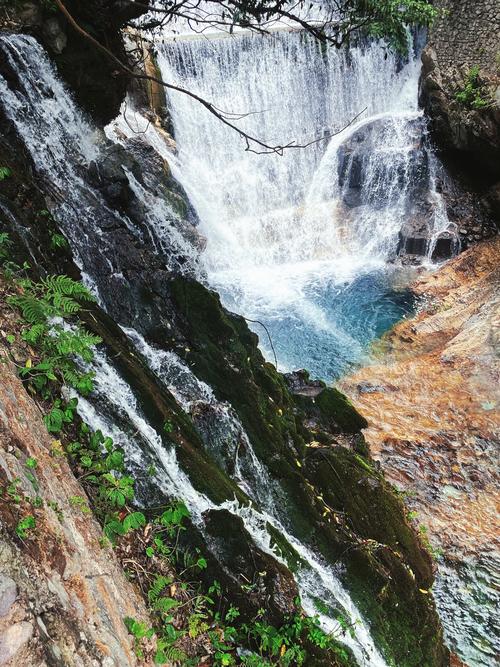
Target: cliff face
[98, 85]
[62, 596]
[462, 102]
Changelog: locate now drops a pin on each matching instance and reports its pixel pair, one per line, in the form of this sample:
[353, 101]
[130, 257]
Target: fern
[34, 310]
[65, 286]
[159, 585]
[34, 333]
[65, 304]
[168, 654]
[43, 302]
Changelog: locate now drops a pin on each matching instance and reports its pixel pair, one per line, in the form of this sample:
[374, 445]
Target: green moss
[285, 549]
[403, 620]
[337, 407]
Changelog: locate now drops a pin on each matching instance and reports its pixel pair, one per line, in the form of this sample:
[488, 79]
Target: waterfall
[301, 241]
[63, 145]
[114, 410]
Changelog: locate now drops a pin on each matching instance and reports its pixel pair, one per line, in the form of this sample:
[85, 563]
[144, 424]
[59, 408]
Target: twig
[222, 116]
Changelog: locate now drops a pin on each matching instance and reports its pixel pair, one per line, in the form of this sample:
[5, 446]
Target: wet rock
[269, 584]
[109, 176]
[8, 594]
[364, 161]
[30, 14]
[445, 247]
[55, 37]
[63, 575]
[13, 639]
[299, 383]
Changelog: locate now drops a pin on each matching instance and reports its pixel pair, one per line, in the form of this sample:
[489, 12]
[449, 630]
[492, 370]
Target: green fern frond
[167, 654]
[66, 286]
[34, 311]
[65, 304]
[34, 333]
[159, 585]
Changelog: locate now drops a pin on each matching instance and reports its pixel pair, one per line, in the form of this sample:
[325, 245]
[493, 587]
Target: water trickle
[114, 410]
[63, 145]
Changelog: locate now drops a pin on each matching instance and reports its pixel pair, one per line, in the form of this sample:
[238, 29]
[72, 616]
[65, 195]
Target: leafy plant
[474, 94]
[5, 172]
[58, 241]
[26, 526]
[59, 415]
[44, 307]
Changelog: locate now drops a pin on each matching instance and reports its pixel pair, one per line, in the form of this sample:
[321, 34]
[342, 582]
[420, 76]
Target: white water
[283, 239]
[62, 144]
[216, 421]
[142, 444]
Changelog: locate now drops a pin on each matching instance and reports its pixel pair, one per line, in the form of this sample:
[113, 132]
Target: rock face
[96, 80]
[466, 36]
[62, 597]
[433, 407]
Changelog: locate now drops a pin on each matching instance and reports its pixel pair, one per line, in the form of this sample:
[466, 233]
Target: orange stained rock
[432, 400]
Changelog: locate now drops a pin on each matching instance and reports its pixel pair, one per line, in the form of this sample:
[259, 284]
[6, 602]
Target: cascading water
[62, 146]
[301, 241]
[119, 415]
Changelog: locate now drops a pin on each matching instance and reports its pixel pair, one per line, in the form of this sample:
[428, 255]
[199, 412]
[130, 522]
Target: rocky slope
[432, 400]
[62, 596]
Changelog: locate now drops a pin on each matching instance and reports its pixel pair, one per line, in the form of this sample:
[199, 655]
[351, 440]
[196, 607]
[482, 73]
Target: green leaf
[5, 172]
[25, 526]
[165, 604]
[133, 521]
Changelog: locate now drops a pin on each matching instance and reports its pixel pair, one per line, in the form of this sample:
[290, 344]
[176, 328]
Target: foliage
[49, 308]
[5, 172]
[388, 19]
[170, 574]
[5, 244]
[25, 526]
[474, 94]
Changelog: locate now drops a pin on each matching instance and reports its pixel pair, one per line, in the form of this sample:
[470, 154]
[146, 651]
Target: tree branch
[224, 117]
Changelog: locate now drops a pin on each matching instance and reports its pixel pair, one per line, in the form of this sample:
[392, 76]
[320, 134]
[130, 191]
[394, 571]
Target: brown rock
[13, 639]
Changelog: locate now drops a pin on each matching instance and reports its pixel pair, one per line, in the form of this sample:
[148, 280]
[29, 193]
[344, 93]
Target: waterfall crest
[289, 235]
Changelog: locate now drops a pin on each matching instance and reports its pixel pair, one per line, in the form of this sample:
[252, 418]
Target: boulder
[13, 639]
[8, 594]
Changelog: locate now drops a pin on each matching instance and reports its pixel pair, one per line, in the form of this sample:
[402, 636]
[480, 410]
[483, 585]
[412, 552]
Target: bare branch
[224, 117]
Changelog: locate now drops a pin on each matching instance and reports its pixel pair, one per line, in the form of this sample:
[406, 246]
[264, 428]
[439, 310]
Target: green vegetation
[47, 307]
[474, 94]
[389, 19]
[25, 526]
